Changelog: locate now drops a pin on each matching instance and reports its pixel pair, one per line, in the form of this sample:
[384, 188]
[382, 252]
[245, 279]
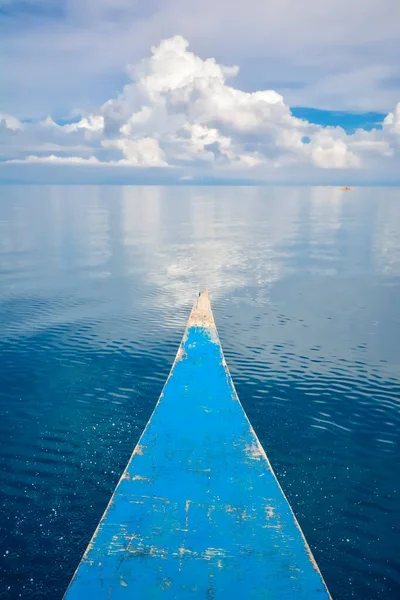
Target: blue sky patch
[348, 120]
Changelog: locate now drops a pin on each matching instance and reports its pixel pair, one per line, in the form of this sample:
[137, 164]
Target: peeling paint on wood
[198, 511]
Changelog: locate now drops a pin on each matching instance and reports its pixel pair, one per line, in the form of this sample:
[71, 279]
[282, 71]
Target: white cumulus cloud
[90, 123]
[179, 110]
[144, 152]
[10, 122]
[58, 160]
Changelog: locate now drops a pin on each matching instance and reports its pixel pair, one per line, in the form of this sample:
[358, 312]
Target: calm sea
[96, 284]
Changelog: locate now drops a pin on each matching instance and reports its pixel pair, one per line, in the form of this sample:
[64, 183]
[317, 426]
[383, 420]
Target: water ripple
[96, 285]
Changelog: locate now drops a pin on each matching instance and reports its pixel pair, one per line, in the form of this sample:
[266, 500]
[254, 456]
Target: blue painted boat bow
[198, 511]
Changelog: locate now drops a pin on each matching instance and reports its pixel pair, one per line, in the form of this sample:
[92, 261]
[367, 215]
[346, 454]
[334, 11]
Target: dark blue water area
[96, 284]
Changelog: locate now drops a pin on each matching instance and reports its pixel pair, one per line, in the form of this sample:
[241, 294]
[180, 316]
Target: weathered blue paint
[198, 512]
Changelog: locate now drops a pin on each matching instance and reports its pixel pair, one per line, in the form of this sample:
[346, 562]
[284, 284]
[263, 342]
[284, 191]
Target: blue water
[95, 288]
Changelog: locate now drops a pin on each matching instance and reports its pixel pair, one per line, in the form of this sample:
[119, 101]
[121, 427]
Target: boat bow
[198, 511]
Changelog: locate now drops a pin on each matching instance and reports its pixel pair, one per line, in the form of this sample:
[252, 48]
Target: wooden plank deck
[198, 512]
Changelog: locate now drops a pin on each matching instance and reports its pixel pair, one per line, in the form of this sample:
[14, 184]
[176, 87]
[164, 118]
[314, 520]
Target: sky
[183, 91]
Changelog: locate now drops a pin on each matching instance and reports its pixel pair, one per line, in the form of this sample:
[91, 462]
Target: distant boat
[198, 512]
[346, 189]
